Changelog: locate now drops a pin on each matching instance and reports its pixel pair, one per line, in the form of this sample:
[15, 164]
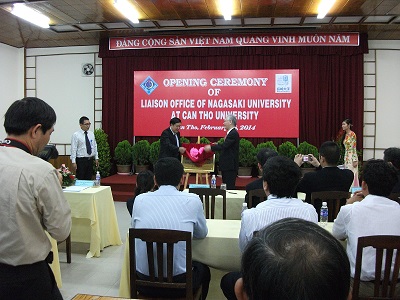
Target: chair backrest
[259, 195]
[384, 245]
[205, 194]
[395, 197]
[155, 240]
[334, 200]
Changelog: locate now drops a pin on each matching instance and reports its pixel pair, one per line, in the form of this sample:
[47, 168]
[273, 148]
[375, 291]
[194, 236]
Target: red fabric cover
[196, 153]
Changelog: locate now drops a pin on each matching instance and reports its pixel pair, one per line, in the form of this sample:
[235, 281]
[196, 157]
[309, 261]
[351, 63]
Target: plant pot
[140, 168]
[244, 171]
[124, 169]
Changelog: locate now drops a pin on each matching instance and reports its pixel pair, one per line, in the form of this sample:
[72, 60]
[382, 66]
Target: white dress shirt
[374, 215]
[271, 210]
[168, 208]
[78, 145]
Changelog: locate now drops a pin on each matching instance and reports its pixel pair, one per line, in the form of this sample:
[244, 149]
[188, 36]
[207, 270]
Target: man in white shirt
[84, 150]
[168, 208]
[280, 178]
[373, 215]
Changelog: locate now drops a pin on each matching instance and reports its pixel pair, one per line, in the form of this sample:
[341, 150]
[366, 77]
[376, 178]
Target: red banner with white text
[265, 102]
[235, 40]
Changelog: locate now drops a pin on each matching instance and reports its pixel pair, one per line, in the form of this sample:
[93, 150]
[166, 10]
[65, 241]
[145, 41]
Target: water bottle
[98, 178]
[213, 182]
[323, 217]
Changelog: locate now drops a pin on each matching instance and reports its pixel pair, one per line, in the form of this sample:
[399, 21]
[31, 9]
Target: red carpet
[123, 186]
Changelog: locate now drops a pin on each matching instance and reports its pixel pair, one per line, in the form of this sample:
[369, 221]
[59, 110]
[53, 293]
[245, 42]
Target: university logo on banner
[149, 85]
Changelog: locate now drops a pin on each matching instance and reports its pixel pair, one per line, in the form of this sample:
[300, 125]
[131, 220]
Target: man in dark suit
[229, 157]
[170, 145]
[327, 177]
[392, 155]
[262, 156]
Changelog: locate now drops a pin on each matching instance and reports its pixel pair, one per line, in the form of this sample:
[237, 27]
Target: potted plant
[141, 155]
[154, 152]
[123, 157]
[287, 149]
[184, 140]
[246, 157]
[103, 150]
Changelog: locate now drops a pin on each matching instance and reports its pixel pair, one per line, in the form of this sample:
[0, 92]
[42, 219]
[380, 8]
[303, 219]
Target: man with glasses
[84, 151]
[170, 144]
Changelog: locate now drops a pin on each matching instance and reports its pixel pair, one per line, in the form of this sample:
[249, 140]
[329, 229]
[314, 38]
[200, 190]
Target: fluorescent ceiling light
[324, 7]
[30, 15]
[226, 8]
[127, 9]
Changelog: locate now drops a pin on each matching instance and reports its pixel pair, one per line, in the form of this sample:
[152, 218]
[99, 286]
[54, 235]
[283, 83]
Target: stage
[123, 186]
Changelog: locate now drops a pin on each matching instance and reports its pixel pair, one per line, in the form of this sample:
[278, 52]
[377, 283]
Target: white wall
[11, 79]
[55, 75]
[382, 98]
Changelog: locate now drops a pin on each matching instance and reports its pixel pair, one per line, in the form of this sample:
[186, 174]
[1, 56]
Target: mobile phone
[307, 158]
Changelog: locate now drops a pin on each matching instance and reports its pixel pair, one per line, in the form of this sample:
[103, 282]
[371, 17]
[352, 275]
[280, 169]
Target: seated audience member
[392, 155]
[144, 184]
[328, 177]
[294, 259]
[262, 156]
[280, 178]
[168, 208]
[373, 215]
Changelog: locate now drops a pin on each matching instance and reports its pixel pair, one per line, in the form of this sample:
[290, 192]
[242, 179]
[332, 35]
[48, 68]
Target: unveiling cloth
[196, 153]
[94, 219]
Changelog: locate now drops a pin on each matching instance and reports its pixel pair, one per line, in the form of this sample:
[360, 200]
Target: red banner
[265, 102]
[235, 40]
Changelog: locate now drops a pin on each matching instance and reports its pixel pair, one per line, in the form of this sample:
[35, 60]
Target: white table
[94, 219]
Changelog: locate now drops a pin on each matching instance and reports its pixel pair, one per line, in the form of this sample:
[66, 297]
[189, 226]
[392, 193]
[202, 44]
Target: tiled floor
[100, 276]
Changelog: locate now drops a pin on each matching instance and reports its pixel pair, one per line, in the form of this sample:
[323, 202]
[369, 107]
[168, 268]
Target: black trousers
[34, 282]
[229, 177]
[228, 284]
[84, 169]
[201, 276]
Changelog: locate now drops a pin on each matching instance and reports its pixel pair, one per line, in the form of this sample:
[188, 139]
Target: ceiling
[84, 22]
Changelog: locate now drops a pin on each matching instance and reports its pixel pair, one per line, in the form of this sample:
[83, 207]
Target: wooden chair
[205, 194]
[333, 199]
[395, 197]
[155, 240]
[384, 244]
[259, 194]
[67, 247]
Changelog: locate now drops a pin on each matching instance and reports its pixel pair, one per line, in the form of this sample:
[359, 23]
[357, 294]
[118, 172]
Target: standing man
[31, 201]
[84, 151]
[170, 145]
[229, 158]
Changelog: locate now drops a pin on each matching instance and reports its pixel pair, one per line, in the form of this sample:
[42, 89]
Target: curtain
[331, 83]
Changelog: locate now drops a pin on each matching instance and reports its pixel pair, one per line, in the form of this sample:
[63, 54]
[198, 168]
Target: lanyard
[16, 144]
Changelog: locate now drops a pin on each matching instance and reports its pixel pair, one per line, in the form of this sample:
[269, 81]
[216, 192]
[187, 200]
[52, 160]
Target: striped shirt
[168, 208]
[271, 210]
